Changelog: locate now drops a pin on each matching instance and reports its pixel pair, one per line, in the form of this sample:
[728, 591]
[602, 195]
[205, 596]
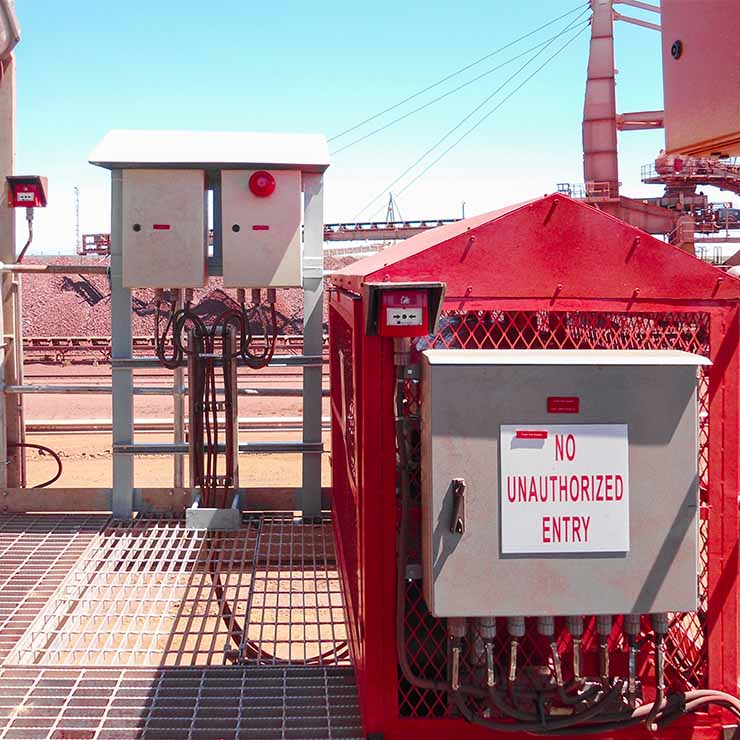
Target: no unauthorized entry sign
[564, 488]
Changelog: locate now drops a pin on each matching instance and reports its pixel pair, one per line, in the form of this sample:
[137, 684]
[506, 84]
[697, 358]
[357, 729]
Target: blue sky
[87, 66]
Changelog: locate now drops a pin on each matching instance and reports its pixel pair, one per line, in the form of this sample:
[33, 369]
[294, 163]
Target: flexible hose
[48, 450]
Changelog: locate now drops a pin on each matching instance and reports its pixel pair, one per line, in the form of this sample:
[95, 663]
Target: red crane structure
[681, 212]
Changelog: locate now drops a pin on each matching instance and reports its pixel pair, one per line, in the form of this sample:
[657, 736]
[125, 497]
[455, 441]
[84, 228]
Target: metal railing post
[122, 347]
[313, 300]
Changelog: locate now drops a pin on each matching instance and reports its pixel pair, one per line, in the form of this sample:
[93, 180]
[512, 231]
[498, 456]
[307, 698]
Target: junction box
[261, 228]
[257, 184]
[588, 492]
[164, 228]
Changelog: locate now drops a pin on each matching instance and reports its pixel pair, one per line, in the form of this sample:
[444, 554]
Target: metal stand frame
[309, 496]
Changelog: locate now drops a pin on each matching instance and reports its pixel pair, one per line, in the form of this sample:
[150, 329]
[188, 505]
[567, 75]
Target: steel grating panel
[36, 553]
[235, 703]
[150, 592]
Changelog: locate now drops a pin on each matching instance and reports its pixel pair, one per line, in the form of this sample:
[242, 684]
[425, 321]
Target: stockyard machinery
[535, 459]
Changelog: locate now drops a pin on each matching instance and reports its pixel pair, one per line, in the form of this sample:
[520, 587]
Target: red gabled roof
[552, 246]
[415, 244]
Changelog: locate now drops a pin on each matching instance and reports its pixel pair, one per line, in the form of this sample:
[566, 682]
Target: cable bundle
[206, 349]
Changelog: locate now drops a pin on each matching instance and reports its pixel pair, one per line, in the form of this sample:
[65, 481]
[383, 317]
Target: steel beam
[277, 361]
[122, 347]
[182, 448]
[313, 336]
[13, 346]
[56, 269]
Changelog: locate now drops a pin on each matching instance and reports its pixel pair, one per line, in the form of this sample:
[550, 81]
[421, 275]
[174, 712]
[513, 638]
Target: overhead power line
[492, 111]
[485, 101]
[456, 73]
[444, 95]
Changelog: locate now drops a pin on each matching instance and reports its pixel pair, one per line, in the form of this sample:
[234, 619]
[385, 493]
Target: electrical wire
[210, 348]
[491, 112]
[47, 450]
[456, 73]
[441, 97]
[485, 101]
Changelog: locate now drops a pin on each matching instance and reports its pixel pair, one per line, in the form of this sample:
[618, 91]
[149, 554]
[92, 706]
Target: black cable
[470, 114]
[440, 97]
[48, 450]
[491, 112]
[455, 74]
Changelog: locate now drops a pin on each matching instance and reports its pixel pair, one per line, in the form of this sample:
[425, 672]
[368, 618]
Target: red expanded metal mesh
[344, 448]
[426, 642]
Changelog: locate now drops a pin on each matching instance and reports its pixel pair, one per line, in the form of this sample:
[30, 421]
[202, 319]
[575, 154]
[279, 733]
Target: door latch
[457, 525]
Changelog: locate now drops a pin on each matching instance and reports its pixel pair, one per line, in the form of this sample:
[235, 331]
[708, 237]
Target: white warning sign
[564, 488]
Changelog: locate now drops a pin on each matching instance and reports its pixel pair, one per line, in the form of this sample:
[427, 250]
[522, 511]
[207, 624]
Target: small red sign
[563, 404]
[260, 227]
[161, 227]
[531, 434]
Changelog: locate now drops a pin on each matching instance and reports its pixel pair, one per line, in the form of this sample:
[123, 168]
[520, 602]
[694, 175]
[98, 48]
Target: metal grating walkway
[146, 629]
[179, 704]
[36, 553]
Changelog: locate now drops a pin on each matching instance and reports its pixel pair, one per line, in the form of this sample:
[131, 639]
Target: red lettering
[618, 487]
[559, 447]
[522, 488]
[510, 492]
[585, 496]
[586, 522]
[563, 487]
[570, 447]
[532, 490]
[574, 493]
[609, 486]
[556, 529]
[600, 481]
[576, 528]
[566, 522]
[546, 529]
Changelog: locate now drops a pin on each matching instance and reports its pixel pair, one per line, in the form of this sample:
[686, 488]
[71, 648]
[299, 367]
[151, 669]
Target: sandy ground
[87, 456]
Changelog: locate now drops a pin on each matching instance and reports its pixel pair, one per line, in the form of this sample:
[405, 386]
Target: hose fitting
[455, 632]
[516, 628]
[604, 629]
[574, 624]
[487, 631]
[632, 630]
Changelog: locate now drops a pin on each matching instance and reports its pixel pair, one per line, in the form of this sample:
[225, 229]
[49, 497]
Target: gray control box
[559, 482]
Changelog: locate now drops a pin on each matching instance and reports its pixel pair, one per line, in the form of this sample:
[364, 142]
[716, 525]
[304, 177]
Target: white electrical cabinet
[164, 240]
[559, 482]
[261, 229]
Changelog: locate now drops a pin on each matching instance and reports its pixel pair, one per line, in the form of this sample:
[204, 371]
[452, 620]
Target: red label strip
[161, 227]
[260, 227]
[531, 434]
[563, 404]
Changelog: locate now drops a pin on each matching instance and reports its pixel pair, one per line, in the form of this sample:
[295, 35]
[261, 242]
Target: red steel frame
[549, 255]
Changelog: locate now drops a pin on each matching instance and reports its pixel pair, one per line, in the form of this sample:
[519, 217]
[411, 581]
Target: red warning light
[262, 184]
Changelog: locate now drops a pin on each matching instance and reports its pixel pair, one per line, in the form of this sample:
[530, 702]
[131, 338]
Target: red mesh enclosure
[345, 450]
[425, 638]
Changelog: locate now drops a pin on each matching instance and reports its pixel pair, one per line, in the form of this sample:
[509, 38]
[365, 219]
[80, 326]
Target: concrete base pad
[223, 519]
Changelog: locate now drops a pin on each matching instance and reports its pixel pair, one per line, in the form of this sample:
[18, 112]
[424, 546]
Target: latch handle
[457, 525]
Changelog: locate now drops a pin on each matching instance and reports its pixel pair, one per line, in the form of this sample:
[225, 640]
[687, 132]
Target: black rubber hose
[48, 450]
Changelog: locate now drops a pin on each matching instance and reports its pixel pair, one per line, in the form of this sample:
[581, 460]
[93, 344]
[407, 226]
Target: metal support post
[178, 399]
[11, 337]
[313, 293]
[3, 416]
[122, 346]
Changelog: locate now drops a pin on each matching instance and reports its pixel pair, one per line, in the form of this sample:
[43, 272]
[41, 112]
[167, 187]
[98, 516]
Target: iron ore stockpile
[81, 303]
